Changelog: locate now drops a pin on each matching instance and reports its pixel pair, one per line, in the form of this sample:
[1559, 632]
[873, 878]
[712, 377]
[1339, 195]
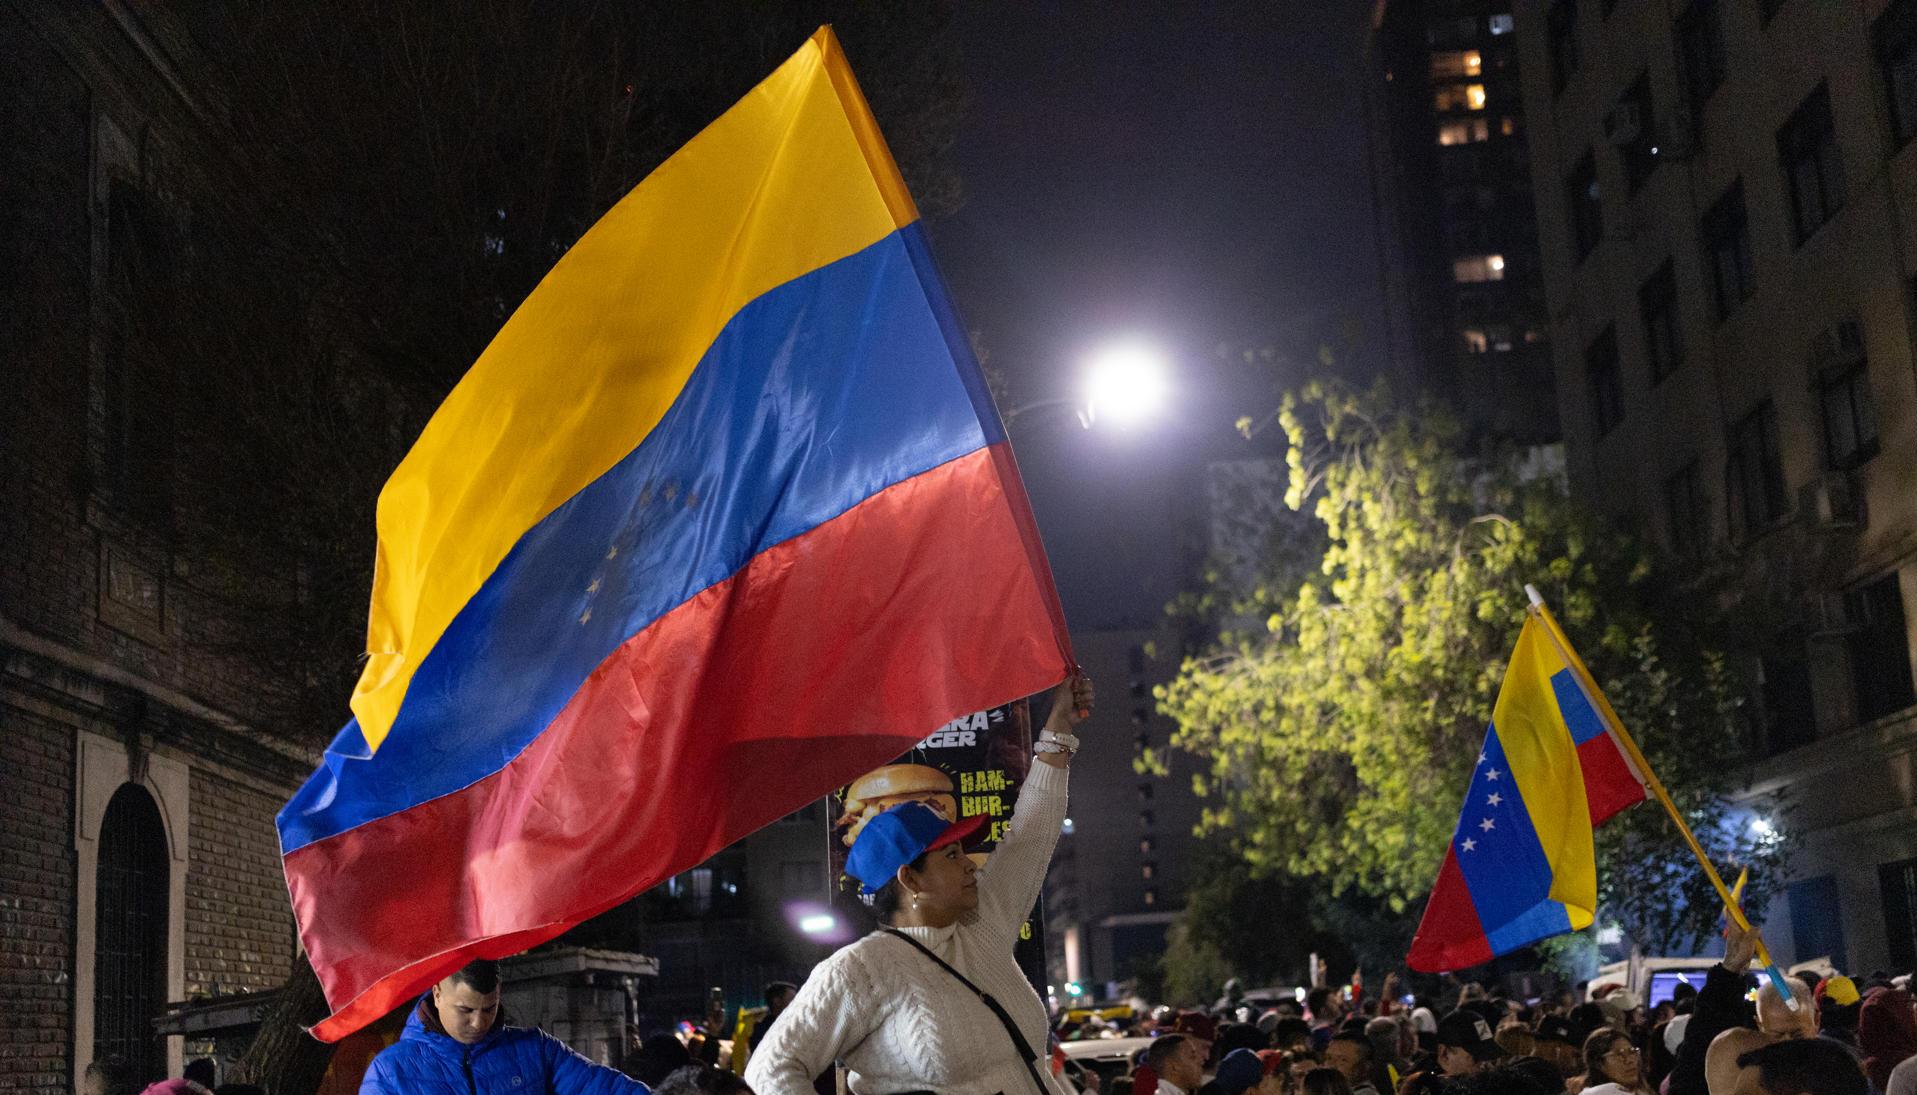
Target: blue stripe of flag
[817, 395]
[1583, 722]
[1502, 861]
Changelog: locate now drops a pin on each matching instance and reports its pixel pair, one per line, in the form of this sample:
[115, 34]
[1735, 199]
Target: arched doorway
[129, 979]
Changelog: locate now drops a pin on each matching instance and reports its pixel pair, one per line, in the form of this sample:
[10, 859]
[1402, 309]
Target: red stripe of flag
[841, 648]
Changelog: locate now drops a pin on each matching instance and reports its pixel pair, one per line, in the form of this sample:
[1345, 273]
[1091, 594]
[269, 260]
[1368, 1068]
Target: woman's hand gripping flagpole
[1732, 907]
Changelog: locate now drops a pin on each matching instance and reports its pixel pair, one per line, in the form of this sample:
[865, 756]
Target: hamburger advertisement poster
[969, 767]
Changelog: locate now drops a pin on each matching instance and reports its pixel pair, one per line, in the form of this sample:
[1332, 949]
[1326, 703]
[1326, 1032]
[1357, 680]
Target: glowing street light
[818, 924]
[1126, 382]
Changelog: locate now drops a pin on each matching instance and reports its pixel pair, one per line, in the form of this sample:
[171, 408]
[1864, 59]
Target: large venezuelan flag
[723, 517]
[1522, 864]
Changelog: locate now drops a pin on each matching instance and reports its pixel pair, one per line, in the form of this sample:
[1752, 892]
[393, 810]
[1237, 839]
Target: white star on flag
[1492, 774]
[1487, 825]
[1470, 845]
[1480, 757]
[1495, 798]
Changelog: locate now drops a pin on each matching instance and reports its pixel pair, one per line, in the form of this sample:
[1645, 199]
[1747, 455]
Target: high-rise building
[1726, 191]
[1458, 249]
[1124, 860]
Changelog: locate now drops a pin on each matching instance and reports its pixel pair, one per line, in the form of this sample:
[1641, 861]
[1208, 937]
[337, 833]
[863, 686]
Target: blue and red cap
[897, 837]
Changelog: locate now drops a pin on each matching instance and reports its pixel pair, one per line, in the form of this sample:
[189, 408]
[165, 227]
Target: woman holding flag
[934, 1000]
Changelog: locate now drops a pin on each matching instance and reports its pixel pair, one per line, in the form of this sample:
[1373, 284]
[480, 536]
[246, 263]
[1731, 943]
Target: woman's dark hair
[1325, 1081]
[481, 973]
[701, 1079]
[891, 896]
[1536, 1069]
[1597, 1047]
[660, 1055]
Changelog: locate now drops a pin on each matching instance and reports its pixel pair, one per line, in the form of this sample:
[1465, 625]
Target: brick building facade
[138, 860]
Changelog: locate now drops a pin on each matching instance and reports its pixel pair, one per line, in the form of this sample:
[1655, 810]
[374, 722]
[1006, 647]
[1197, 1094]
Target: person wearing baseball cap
[1838, 1006]
[935, 1000]
[1465, 1043]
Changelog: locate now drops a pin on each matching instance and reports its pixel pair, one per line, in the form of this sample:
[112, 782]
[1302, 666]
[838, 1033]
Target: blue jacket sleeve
[376, 1081]
[574, 1075]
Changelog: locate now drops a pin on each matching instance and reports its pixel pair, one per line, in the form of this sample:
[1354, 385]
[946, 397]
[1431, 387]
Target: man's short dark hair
[1318, 999]
[1163, 1049]
[1355, 1038]
[1495, 1081]
[202, 1071]
[117, 1074]
[481, 973]
[702, 1079]
[774, 988]
[1290, 1029]
[1806, 1066]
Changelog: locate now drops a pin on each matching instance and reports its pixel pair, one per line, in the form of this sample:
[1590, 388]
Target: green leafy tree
[1340, 733]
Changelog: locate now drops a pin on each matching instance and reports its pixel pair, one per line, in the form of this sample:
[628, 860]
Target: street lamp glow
[1125, 383]
[818, 924]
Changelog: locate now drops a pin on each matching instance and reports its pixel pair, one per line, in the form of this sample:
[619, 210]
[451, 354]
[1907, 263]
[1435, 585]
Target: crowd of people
[1838, 1036]
[934, 1002]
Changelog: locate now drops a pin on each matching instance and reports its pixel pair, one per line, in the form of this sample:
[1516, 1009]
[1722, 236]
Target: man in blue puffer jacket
[457, 1042]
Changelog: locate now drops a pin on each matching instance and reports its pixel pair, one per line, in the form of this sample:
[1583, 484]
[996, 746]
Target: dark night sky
[1190, 173]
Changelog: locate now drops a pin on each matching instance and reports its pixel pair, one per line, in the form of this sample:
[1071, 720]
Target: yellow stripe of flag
[1544, 764]
[793, 178]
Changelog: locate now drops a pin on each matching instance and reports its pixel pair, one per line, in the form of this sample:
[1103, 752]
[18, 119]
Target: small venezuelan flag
[1522, 866]
[723, 517]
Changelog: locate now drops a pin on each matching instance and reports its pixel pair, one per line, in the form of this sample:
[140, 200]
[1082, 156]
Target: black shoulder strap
[1024, 1048]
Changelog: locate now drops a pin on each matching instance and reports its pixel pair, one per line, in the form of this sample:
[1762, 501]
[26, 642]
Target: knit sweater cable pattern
[900, 1023]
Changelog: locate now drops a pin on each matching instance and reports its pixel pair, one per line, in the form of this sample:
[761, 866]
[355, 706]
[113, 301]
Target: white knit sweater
[898, 1021]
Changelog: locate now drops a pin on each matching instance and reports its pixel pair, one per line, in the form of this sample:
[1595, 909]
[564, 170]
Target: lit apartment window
[1508, 126]
[1700, 45]
[1843, 387]
[1807, 149]
[1501, 24]
[1607, 387]
[1475, 268]
[1148, 871]
[1726, 235]
[1657, 307]
[1586, 210]
[1475, 341]
[1463, 131]
[1452, 63]
[1151, 896]
[1894, 37]
[1450, 97]
[1755, 472]
[1685, 513]
[1561, 29]
[1146, 845]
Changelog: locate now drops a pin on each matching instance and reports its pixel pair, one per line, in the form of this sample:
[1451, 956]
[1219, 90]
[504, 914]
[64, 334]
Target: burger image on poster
[882, 788]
